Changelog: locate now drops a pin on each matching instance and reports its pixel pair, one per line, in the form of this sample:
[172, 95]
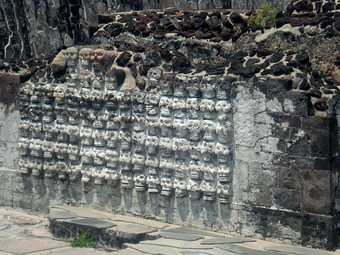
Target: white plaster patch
[288, 105]
[274, 105]
[286, 28]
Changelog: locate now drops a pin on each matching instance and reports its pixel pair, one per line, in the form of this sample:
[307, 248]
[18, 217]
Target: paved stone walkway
[22, 233]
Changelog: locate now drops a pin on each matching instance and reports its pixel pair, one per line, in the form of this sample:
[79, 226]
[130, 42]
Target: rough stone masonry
[190, 117]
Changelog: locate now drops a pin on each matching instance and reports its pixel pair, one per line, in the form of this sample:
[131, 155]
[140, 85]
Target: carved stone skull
[167, 184]
[86, 136]
[140, 182]
[35, 147]
[180, 185]
[154, 75]
[127, 181]
[24, 146]
[48, 149]
[99, 158]
[85, 58]
[153, 182]
[73, 152]
[99, 137]
[224, 193]
[103, 58]
[208, 90]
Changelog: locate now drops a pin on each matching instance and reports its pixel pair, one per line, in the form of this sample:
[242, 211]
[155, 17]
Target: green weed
[84, 240]
[264, 17]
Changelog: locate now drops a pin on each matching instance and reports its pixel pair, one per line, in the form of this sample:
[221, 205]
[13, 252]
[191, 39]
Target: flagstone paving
[23, 233]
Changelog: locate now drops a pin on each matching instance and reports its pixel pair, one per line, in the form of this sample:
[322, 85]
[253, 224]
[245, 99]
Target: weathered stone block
[317, 188]
[318, 231]
[289, 177]
[270, 223]
[320, 143]
[6, 198]
[286, 120]
[296, 103]
[298, 143]
[315, 122]
[261, 185]
[288, 199]
[22, 200]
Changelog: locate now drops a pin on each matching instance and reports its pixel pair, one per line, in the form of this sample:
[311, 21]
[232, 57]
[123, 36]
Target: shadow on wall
[9, 85]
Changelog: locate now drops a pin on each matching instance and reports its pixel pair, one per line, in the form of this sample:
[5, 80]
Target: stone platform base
[138, 236]
[28, 192]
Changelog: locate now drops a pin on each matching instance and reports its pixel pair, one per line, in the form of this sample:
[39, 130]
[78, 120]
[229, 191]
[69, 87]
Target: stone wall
[39, 29]
[266, 166]
[284, 176]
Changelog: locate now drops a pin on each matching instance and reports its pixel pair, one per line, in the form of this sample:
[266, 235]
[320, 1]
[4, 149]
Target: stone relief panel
[175, 139]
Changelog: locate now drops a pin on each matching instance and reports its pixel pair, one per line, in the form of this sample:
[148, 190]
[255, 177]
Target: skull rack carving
[175, 140]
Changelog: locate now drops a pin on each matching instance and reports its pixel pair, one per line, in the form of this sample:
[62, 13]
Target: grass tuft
[84, 240]
[264, 17]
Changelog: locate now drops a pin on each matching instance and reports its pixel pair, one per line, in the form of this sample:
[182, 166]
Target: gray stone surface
[56, 213]
[89, 222]
[187, 230]
[25, 246]
[22, 220]
[129, 251]
[73, 251]
[178, 244]
[154, 249]
[296, 250]
[46, 21]
[134, 229]
[243, 250]
[19, 240]
[179, 236]
[278, 149]
[226, 240]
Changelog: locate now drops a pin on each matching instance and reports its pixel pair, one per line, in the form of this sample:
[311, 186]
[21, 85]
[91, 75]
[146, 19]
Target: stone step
[66, 223]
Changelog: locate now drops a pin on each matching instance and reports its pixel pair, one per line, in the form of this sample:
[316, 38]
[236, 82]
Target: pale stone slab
[216, 251]
[195, 253]
[91, 222]
[85, 212]
[154, 249]
[209, 252]
[131, 228]
[243, 250]
[218, 240]
[93, 213]
[128, 251]
[72, 251]
[56, 213]
[177, 244]
[23, 246]
[22, 220]
[41, 232]
[138, 220]
[296, 250]
[193, 231]
[179, 236]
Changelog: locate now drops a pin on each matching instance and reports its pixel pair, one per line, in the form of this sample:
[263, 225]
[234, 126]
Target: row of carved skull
[112, 159]
[151, 182]
[107, 138]
[113, 120]
[95, 126]
[107, 90]
[61, 92]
